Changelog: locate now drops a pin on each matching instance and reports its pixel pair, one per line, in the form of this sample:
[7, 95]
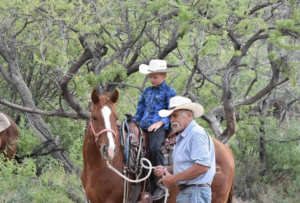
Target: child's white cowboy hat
[155, 66]
[180, 102]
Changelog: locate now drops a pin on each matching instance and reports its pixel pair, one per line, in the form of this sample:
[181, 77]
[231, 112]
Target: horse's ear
[95, 96]
[115, 96]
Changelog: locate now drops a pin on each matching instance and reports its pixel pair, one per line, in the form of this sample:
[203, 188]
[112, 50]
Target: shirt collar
[188, 128]
[161, 86]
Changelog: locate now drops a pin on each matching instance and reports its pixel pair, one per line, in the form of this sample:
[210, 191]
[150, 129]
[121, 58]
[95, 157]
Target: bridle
[101, 132]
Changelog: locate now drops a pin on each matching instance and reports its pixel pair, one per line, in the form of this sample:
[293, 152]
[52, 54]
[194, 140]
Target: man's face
[180, 119]
[157, 78]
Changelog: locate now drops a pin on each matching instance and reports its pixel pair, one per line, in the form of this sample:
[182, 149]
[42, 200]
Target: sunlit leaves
[157, 4]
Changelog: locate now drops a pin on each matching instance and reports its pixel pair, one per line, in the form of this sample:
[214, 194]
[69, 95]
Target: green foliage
[27, 140]
[49, 45]
[284, 157]
[20, 184]
[108, 74]
[283, 162]
[71, 135]
[157, 4]
[288, 193]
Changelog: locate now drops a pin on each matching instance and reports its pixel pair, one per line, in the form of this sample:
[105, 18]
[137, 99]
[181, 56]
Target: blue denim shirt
[194, 145]
[153, 100]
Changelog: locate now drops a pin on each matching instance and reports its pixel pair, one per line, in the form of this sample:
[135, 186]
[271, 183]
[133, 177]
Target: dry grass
[239, 200]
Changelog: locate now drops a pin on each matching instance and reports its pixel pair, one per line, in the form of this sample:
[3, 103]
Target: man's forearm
[190, 173]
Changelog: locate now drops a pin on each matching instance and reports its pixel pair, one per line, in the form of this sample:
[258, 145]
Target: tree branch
[258, 7]
[250, 87]
[282, 141]
[5, 73]
[172, 44]
[64, 114]
[24, 26]
[176, 64]
[121, 83]
[237, 45]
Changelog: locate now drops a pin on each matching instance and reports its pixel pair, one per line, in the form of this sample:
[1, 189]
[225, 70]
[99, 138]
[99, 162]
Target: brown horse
[8, 138]
[102, 143]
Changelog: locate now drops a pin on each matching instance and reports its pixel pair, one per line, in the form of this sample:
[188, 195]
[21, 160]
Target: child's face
[157, 78]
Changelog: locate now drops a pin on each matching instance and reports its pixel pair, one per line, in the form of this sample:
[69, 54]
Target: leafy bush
[283, 161]
[19, 183]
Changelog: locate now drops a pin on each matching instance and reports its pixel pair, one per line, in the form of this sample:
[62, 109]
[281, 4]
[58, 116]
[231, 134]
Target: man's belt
[183, 186]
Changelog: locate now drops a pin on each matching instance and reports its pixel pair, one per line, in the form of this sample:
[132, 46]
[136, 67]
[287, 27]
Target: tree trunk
[262, 150]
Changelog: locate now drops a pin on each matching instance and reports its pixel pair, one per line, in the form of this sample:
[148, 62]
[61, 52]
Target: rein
[150, 168]
[101, 132]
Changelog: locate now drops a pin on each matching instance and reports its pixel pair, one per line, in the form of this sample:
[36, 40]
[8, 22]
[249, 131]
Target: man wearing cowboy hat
[152, 100]
[194, 154]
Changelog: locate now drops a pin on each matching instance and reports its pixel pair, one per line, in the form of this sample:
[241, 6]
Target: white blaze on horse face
[106, 112]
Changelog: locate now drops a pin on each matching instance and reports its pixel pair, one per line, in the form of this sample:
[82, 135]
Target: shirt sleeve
[140, 109]
[169, 96]
[200, 148]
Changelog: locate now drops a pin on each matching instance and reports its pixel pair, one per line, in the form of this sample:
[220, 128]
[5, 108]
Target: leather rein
[101, 132]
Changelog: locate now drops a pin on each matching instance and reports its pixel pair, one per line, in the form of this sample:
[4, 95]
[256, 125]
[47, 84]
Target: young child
[154, 99]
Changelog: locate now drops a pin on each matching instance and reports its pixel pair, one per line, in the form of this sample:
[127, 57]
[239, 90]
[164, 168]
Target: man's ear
[115, 96]
[95, 96]
[190, 115]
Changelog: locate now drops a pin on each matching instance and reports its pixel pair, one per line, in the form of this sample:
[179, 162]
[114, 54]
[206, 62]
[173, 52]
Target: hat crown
[178, 100]
[157, 65]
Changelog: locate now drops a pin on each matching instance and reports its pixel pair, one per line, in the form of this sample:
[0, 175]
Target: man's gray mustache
[175, 123]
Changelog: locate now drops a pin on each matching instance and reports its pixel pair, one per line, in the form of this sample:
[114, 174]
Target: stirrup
[160, 196]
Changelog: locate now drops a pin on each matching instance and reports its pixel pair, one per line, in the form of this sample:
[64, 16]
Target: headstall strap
[101, 132]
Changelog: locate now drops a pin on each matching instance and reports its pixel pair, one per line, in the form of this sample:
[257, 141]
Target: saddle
[4, 122]
[134, 143]
[167, 145]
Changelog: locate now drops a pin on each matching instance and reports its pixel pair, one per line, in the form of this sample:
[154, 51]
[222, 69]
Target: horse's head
[103, 122]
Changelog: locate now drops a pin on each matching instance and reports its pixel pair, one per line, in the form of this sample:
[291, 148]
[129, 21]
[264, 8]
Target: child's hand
[155, 126]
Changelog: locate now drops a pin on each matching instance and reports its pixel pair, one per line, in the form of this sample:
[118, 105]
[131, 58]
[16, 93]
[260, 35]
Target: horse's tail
[230, 196]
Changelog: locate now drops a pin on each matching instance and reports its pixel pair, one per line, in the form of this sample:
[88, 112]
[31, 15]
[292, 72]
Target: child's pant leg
[155, 141]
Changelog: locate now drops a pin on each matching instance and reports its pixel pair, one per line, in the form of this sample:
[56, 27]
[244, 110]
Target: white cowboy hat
[155, 66]
[180, 102]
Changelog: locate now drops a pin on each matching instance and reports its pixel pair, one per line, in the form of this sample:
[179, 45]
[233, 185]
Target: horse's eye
[94, 118]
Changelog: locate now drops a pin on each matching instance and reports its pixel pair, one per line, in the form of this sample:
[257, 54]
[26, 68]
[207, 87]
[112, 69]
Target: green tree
[229, 54]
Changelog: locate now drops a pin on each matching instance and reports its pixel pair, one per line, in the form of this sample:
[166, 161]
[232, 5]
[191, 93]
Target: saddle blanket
[4, 122]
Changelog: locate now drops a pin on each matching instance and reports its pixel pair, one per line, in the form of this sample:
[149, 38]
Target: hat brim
[197, 109]
[145, 70]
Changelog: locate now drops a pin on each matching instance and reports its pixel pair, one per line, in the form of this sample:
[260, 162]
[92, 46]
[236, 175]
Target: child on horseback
[152, 100]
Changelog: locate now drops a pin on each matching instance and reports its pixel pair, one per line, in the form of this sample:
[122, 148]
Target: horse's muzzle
[108, 152]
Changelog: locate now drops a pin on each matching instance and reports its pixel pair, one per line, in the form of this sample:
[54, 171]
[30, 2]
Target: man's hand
[168, 179]
[155, 126]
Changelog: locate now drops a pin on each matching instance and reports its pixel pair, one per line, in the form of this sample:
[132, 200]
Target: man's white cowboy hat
[155, 66]
[180, 102]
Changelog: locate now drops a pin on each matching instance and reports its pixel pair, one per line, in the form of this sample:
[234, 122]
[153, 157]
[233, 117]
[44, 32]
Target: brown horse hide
[8, 139]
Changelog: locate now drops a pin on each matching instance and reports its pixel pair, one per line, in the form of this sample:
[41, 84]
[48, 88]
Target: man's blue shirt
[194, 145]
[153, 100]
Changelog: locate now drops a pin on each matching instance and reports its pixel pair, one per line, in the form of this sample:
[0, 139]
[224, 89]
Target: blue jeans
[194, 195]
